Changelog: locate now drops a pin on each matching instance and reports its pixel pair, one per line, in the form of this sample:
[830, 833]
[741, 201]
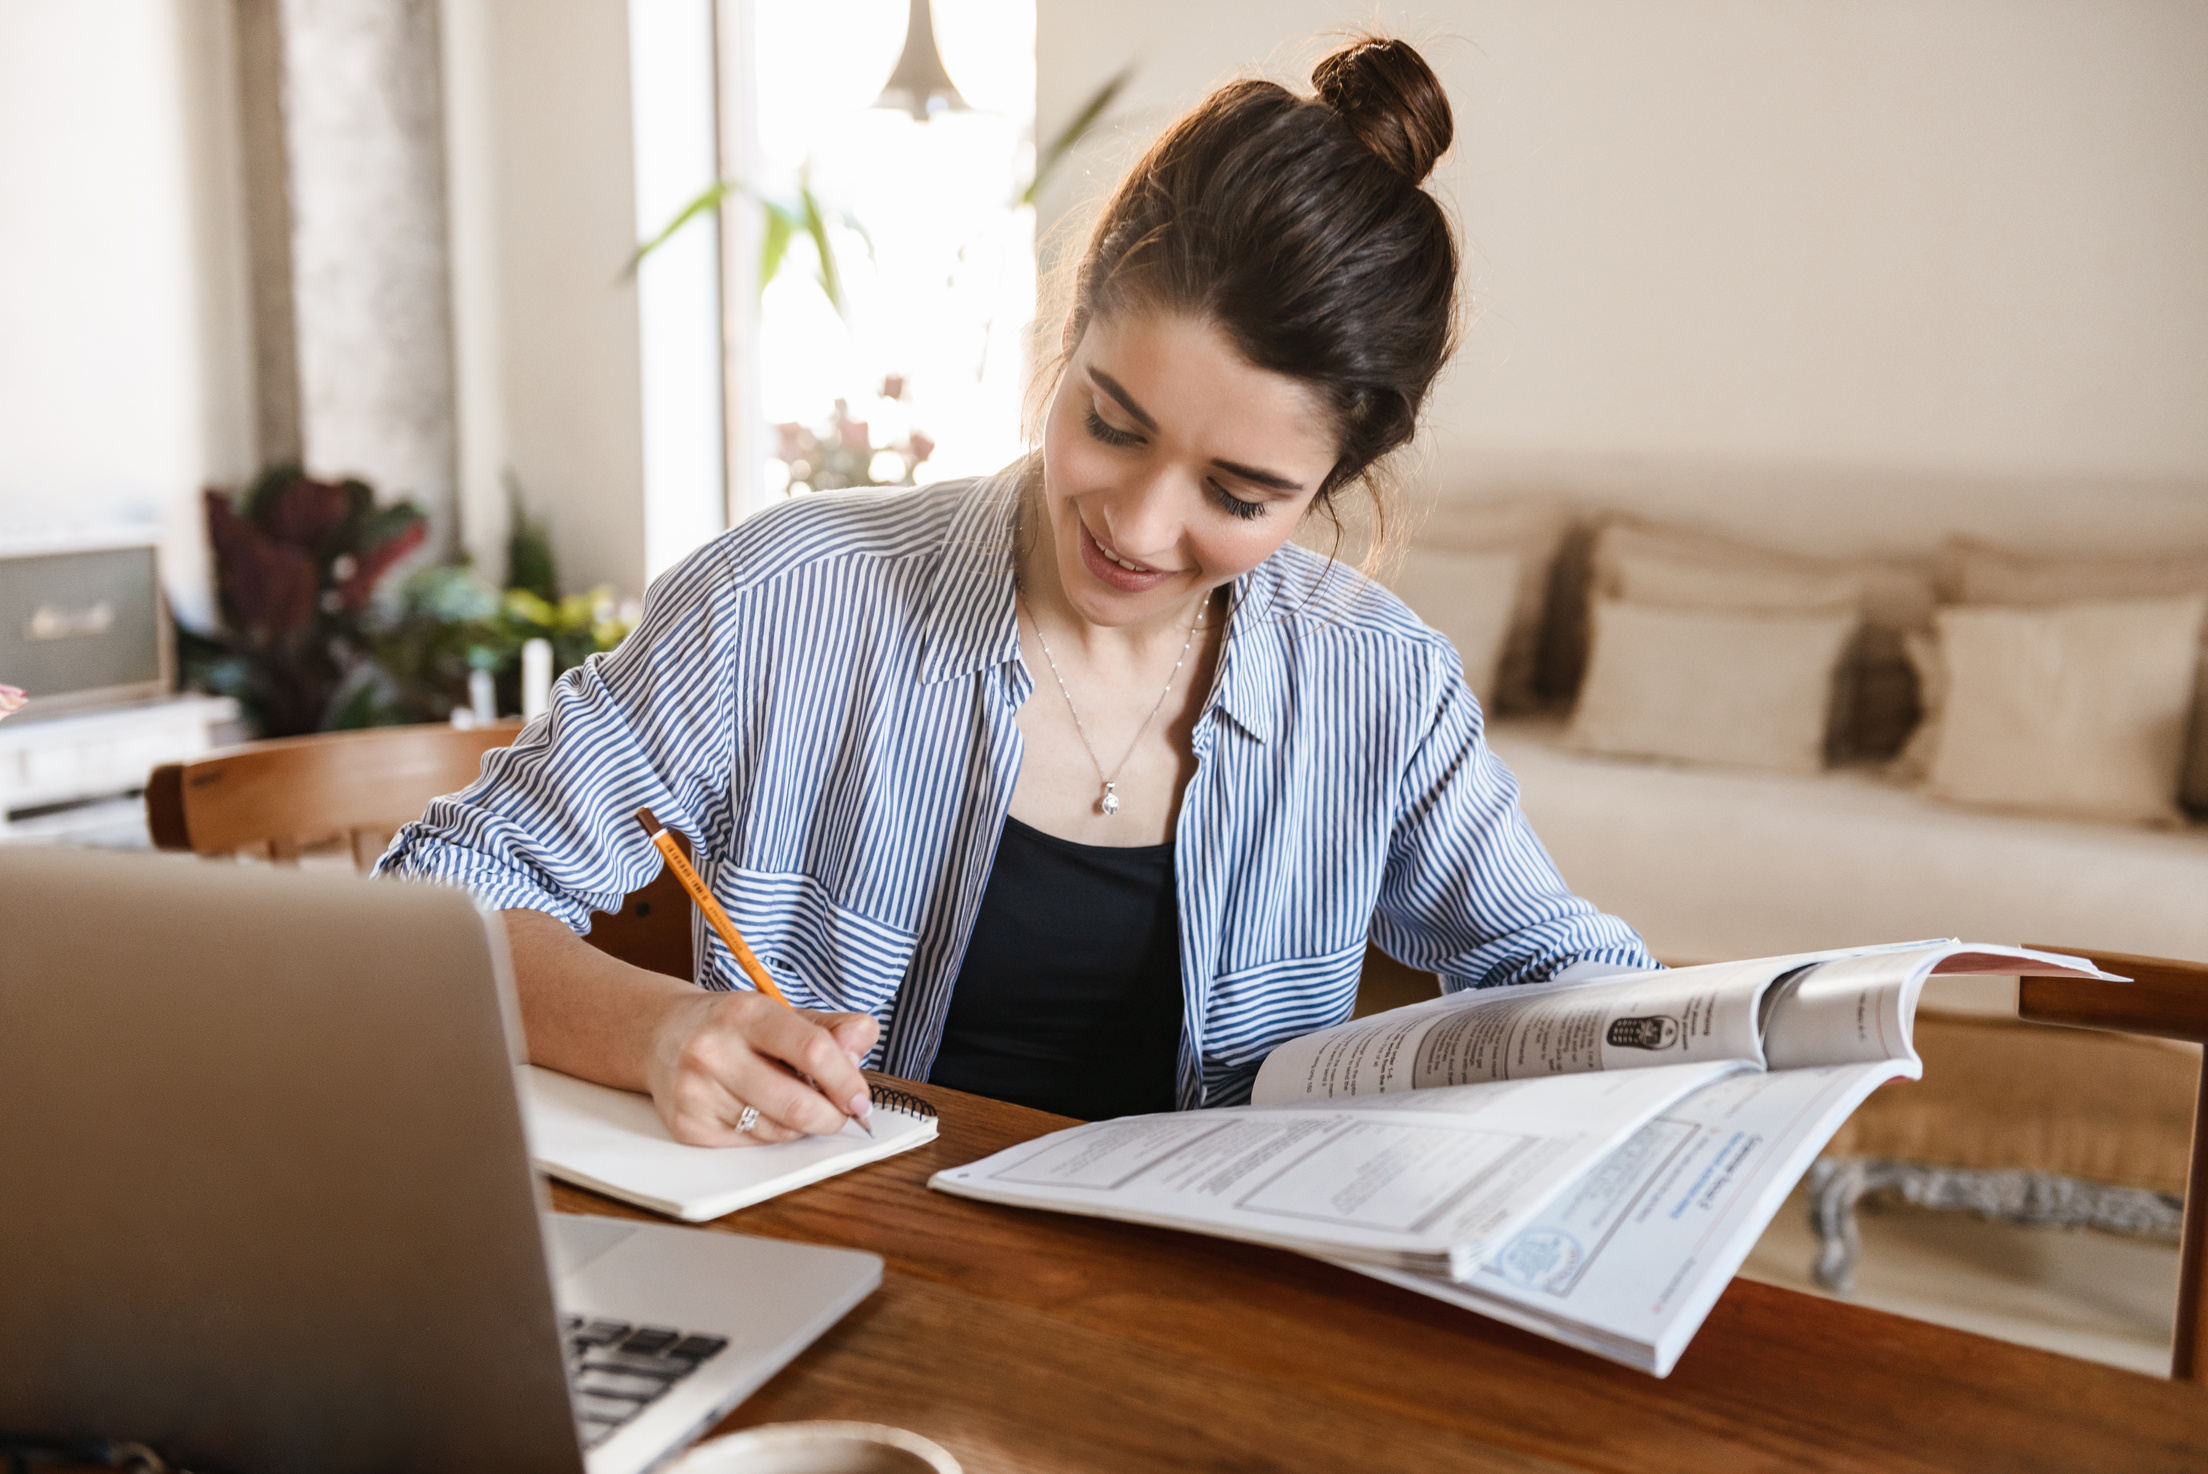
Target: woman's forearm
[583, 1012]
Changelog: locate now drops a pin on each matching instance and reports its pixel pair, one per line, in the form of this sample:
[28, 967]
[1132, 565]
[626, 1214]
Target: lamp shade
[919, 85]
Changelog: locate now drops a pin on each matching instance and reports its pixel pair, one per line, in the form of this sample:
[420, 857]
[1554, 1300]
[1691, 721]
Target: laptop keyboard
[616, 1370]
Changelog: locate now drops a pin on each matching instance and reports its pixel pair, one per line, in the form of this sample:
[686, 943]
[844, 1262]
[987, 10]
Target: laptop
[268, 1204]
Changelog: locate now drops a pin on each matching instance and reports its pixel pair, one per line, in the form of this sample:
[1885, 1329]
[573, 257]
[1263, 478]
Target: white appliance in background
[85, 630]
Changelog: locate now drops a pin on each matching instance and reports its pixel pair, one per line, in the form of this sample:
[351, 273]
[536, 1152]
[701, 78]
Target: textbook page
[1628, 1261]
[1686, 1015]
[1813, 1008]
[1853, 1010]
[1432, 1186]
[612, 1141]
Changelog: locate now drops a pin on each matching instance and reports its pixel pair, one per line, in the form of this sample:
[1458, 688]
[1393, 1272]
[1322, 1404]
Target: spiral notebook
[612, 1141]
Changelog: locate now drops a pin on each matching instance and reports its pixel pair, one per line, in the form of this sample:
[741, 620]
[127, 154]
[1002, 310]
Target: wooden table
[1038, 1342]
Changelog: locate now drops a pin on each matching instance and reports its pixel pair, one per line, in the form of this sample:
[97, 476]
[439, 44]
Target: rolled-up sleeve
[1469, 892]
[549, 824]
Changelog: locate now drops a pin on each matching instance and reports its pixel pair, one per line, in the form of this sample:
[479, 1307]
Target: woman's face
[1170, 466]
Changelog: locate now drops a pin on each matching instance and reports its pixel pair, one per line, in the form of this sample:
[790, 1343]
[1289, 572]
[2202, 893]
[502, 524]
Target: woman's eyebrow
[1114, 388]
[1262, 478]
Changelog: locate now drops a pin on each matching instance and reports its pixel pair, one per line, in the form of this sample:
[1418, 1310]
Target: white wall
[603, 401]
[125, 373]
[1855, 252]
[546, 336]
[672, 85]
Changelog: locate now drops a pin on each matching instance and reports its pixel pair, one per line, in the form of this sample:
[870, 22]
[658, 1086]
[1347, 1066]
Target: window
[917, 331]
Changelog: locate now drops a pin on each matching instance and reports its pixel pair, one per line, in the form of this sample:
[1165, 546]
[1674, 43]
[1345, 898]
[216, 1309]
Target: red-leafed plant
[297, 562]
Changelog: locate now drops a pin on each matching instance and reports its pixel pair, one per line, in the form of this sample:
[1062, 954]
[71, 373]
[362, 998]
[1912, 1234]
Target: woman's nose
[1145, 520]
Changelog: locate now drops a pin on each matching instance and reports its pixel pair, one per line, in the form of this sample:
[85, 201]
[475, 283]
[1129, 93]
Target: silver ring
[748, 1119]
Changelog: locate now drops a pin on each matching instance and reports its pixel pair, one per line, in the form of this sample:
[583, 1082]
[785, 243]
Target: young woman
[1079, 785]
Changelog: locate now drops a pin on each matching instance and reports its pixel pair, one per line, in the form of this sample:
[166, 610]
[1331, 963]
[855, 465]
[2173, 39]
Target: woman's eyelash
[1108, 435]
[1233, 505]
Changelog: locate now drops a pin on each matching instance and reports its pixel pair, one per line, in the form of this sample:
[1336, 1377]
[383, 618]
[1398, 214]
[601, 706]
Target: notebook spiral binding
[902, 1101]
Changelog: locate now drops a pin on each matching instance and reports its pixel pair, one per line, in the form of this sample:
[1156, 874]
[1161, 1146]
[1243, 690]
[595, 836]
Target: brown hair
[1298, 226]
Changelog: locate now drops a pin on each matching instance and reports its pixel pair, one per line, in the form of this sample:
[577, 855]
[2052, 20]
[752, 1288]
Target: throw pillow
[1469, 597]
[1897, 593]
[2079, 711]
[1529, 530]
[1973, 572]
[1752, 688]
[1877, 700]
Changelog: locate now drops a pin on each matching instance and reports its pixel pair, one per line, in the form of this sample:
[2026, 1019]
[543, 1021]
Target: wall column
[344, 152]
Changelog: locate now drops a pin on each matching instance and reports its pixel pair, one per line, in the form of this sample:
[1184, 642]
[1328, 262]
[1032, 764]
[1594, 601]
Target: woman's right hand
[702, 1055]
[714, 1053]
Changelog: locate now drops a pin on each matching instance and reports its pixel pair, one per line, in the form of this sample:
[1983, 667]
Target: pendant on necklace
[1110, 802]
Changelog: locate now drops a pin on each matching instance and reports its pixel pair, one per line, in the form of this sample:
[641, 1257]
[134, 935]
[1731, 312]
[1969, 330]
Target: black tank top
[1070, 996]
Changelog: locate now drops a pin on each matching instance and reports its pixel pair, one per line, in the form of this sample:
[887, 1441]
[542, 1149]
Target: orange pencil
[715, 917]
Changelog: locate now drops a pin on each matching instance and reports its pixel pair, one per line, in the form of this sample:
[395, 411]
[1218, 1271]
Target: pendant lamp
[919, 85]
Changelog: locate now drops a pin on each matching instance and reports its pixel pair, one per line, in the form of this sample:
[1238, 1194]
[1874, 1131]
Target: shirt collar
[1284, 599]
[1250, 687]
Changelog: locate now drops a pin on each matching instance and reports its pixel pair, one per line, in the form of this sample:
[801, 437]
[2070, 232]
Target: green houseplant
[316, 637]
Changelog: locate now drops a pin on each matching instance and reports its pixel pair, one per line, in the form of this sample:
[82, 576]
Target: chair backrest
[278, 798]
[2169, 999]
[274, 799]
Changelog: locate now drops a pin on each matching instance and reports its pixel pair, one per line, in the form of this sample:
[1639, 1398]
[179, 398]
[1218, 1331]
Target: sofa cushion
[1529, 530]
[1751, 688]
[1711, 863]
[1469, 597]
[1972, 572]
[1877, 701]
[2079, 710]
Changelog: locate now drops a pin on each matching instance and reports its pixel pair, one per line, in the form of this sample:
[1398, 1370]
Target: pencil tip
[863, 1126]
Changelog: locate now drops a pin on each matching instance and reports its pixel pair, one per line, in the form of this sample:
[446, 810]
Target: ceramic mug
[818, 1448]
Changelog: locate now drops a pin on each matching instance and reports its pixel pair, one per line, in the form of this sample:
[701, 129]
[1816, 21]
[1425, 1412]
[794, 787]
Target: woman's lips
[1114, 575]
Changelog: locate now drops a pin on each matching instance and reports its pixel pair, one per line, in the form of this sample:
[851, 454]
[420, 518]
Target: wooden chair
[350, 792]
[2170, 1000]
[2042, 1126]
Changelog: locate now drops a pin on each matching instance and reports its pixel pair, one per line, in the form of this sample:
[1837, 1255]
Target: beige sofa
[1714, 862]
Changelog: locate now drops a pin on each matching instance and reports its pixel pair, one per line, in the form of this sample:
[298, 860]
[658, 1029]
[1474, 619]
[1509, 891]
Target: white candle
[483, 697]
[536, 679]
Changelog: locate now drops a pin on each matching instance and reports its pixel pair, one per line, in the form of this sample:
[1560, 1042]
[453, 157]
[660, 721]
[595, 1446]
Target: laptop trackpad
[573, 1241]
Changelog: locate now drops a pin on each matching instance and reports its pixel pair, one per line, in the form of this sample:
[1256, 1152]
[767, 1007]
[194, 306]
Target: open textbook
[1590, 1161]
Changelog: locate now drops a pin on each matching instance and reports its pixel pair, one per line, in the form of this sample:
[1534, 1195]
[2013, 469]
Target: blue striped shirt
[822, 701]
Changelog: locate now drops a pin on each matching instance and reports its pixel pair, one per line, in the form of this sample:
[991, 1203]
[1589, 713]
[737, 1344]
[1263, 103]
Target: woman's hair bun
[1391, 100]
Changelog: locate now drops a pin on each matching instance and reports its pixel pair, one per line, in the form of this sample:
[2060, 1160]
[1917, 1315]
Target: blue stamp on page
[1541, 1259]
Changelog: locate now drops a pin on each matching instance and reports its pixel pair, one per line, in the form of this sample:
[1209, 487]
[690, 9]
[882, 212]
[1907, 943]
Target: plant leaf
[708, 198]
[774, 245]
[1052, 154]
[816, 226]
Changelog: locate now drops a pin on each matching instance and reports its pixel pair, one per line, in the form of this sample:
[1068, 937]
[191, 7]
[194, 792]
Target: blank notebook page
[612, 1141]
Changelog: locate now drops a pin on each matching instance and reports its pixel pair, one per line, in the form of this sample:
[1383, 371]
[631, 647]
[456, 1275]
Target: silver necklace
[1109, 802]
